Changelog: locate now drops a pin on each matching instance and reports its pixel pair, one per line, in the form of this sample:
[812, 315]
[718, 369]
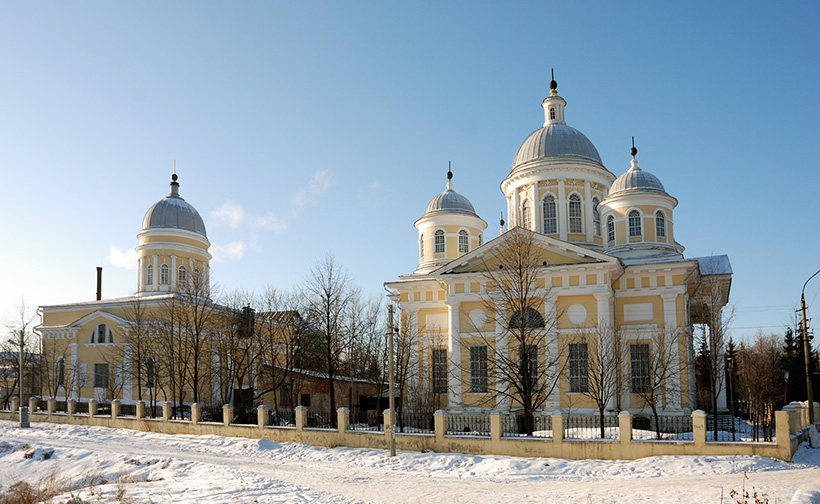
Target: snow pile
[115, 465]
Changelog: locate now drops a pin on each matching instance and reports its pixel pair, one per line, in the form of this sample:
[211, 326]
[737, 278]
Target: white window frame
[578, 365]
[549, 198]
[660, 225]
[463, 241]
[610, 229]
[478, 369]
[439, 238]
[596, 217]
[633, 226]
[575, 222]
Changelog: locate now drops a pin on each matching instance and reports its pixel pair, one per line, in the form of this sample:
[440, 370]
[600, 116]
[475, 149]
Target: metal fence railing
[589, 427]
[282, 417]
[366, 420]
[670, 428]
[515, 426]
[320, 419]
[410, 422]
[468, 425]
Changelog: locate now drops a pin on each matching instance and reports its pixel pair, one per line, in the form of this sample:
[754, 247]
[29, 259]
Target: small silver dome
[174, 212]
[450, 201]
[636, 179]
[556, 140]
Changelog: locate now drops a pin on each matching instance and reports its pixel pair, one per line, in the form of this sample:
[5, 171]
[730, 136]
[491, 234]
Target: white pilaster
[554, 400]
[126, 373]
[588, 210]
[75, 378]
[671, 323]
[155, 274]
[501, 398]
[173, 273]
[454, 351]
[562, 209]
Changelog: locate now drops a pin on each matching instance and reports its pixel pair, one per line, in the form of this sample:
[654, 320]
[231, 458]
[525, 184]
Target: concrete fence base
[791, 427]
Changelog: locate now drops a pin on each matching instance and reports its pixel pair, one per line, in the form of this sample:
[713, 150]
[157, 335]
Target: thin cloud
[319, 183]
[234, 250]
[271, 223]
[120, 258]
[229, 214]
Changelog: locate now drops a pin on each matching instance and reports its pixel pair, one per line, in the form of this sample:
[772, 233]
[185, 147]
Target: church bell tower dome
[173, 247]
[448, 229]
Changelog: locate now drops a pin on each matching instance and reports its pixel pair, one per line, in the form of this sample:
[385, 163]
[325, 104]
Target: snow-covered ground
[96, 464]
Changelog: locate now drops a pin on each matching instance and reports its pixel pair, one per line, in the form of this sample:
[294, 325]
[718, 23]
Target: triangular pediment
[98, 314]
[540, 249]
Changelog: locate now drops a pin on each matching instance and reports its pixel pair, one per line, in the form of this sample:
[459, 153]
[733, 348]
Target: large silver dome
[556, 140]
[175, 213]
[636, 179]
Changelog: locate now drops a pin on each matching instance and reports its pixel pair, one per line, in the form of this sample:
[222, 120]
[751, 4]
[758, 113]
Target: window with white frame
[421, 246]
[635, 223]
[610, 229]
[163, 275]
[149, 275]
[552, 112]
[526, 214]
[438, 356]
[478, 369]
[100, 375]
[596, 217]
[463, 242]
[60, 372]
[182, 275]
[150, 372]
[550, 216]
[660, 225]
[480, 240]
[439, 242]
[578, 367]
[101, 334]
[528, 365]
[576, 221]
[639, 367]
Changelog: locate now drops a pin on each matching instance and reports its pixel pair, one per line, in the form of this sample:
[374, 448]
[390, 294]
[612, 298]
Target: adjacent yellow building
[587, 296]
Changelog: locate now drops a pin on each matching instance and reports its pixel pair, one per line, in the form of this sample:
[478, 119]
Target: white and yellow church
[608, 268]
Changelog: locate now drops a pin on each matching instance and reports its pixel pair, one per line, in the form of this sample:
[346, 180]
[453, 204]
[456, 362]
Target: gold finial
[553, 84]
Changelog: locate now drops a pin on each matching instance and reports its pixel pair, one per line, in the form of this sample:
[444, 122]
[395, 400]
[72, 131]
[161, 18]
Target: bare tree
[760, 381]
[523, 358]
[20, 347]
[328, 296]
[602, 357]
[198, 319]
[661, 377]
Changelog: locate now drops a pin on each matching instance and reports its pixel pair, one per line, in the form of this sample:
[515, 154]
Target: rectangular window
[478, 369]
[578, 368]
[101, 375]
[639, 367]
[285, 396]
[660, 225]
[304, 400]
[528, 365]
[439, 242]
[439, 364]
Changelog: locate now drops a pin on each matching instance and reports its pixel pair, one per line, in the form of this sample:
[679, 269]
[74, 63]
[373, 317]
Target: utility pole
[391, 384]
[807, 349]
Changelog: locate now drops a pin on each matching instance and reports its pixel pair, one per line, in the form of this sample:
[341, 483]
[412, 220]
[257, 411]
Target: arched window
[610, 229]
[101, 332]
[531, 319]
[60, 372]
[550, 218]
[480, 240]
[149, 372]
[596, 217]
[576, 224]
[439, 242]
[463, 242]
[526, 214]
[182, 275]
[149, 275]
[634, 223]
[660, 225]
[421, 246]
[552, 112]
[163, 274]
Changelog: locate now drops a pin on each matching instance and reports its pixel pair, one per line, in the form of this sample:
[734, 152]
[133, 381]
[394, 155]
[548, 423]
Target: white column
[588, 210]
[670, 319]
[140, 273]
[501, 399]
[126, 373]
[173, 273]
[606, 330]
[562, 209]
[155, 275]
[75, 378]
[454, 351]
[515, 216]
[554, 400]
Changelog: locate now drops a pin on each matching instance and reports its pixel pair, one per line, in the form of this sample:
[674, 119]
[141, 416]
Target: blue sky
[301, 128]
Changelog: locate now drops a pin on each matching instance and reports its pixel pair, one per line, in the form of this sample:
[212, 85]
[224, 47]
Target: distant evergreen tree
[794, 364]
[731, 370]
[703, 398]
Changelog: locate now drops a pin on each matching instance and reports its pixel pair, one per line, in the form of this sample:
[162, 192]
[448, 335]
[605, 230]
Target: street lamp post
[731, 365]
[807, 349]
